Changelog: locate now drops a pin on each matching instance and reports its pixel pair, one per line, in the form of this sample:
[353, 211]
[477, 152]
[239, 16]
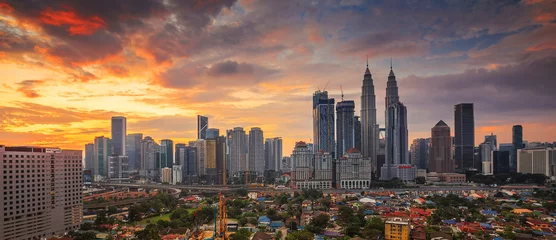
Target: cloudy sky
[66, 67]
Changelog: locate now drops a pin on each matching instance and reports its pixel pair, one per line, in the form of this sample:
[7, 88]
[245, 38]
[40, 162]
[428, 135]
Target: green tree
[149, 233]
[300, 235]
[135, 214]
[319, 223]
[82, 235]
[278, 235]
[242, 234]
[101, 218]
[242, 192]
[112, 210]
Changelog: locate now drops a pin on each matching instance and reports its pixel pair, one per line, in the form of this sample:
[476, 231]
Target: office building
[381, 153]
[537, 161]
[179, 158]
[369, 128]
[323, 122]
[210, 161]
[397, 156]
[213, 133]
[221, 167]
[517, 143]
[201, 146]
[89, 156]
[188, 159]
[166, 153]
[464, 137]
[238, 151]
[150, 156]
[119, 128]
[357, 132]
[420, 153]
[118, 166]
[440, 152]
[506, 147]
[177, 174]
[287, 164]
[167, 175]
[256, 151]
[202, 126]
[491, 139]
[46, 198]
[273, 154]
[103, 149]
[397, 229]
[302, 159]
[345, 128]
[485, 152]
[133, 150]
[353, 171]
[501, 162]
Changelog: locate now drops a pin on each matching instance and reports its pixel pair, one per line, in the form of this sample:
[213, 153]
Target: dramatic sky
[66, 67]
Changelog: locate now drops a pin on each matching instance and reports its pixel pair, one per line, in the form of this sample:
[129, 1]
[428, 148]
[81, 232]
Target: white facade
[354, 171]
[150, 155]
[256, 151]
[176, 174]
[537, 161]
[486, 149]
[404, 172]
[119, 167]
[237, 150]
[167, 175]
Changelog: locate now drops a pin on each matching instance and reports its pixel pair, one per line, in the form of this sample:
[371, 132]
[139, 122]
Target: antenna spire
[390, 63]
[367, 60]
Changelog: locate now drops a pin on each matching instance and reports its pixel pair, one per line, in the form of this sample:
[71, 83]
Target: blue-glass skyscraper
[517, 143]
[323, 122]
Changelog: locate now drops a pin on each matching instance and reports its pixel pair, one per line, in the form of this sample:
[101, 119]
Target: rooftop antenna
[367, 60]
[342, 90]
[390, 63]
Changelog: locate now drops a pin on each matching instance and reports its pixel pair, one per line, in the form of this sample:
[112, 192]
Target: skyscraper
[202, 126]
[150, 156]
[485, 152]
[273, 153]
[492, 140]
[201, 146]
[397, 159]
[213, 133]
[464, 139]
[357, 132]
[420, 152]
[221, 177]
[323, 122]
[369, 128]
[210, 161]
[118, 166]
[103, 149]
[517, 143]
[440, 152]
[133, 150]
[345, 128]
[179, 158]
[47, 200]
[256, 151]
[166, 153]
[89, 156]
[119, 132]
[186, 157]
[238, 151]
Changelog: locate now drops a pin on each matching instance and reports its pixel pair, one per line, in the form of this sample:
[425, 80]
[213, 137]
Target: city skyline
[271, 69]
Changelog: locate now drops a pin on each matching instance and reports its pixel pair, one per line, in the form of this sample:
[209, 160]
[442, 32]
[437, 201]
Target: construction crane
[324, 89]
[342, 90]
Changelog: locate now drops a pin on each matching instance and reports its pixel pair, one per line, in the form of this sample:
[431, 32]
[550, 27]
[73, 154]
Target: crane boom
[342, 90]
[326, 85]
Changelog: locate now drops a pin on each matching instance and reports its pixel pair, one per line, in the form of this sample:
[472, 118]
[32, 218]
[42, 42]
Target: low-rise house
[538, 224]
[275, 225]
[441, 236]
[264, 221]
[418, 233]
[261, 236]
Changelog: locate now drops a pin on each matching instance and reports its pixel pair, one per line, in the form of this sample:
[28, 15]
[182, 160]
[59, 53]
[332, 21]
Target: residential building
[119, 128]
[49, 203]
[212, 133]
[397, 229]
[485, 150]
[354, 171]
[167, 175]
[440, 159]
[323, 122]
[133, 150]
[202, 126]
[369, 127]
[396, 153]
[89, 156]
[118, 166]
[345, 129]
[302, 159]
[420, 153]
[286, 164]
[166, 153]
[501, 162]
[103, 149]
[357, 133]
[537, 161]
[256, 151]
[210, 161]
[201, 146]
[517, 143]
[177, 174]
[464, 139]
[273, 153]
[150, 156]
[238, 146]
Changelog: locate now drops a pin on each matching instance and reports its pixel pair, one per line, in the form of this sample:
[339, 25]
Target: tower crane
[342, 90]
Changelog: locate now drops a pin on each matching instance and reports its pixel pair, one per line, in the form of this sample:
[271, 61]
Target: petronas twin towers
[369, 128]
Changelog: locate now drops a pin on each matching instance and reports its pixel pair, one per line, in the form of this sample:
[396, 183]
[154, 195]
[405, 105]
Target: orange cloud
[5, 7]
[117, 71]
[77, 25]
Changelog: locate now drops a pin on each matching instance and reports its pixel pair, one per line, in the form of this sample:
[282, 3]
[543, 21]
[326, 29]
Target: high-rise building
[179, 158]
[303, 166]
[133, 150]
[177, 174]
[506, 147]
[323, 122]
[213, 133]
[501, 162]
[485, 152]
[89, 156]
[357, 132]
[517, 143]
[345, 127]
[45, 198]
[273, 153]
[491, 139]
[287, 164]
[119, 128]
[464, 137]
[381, 153]
[353, 171]
[118, 166]
[103, 149]
[166, 153]
[256, 151]
[369, 133]
[397, 163]
[540, 160]
[201, 146]
[187, 156]
[440, 152]
[221, 160]
[202, 126]
[238, 150]
[210, 161]
[166, 175]
[420, 153]
[150, 156]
